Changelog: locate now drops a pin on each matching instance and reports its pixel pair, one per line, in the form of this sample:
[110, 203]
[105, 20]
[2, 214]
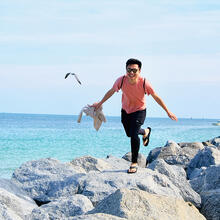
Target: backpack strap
[144, 86]
[122, 81]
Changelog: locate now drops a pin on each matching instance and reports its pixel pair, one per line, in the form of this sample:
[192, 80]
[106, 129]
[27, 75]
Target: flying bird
[74, 76]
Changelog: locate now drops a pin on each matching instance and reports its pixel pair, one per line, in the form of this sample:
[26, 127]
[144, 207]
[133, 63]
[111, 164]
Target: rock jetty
[179, 181]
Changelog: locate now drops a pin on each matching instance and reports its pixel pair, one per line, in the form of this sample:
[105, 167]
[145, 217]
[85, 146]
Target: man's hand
[172, 116]
[96, 105]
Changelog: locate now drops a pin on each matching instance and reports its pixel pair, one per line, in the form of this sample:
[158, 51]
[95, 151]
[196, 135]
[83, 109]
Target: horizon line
[54, 114]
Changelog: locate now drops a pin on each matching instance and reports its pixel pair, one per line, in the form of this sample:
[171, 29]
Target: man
[133, 113]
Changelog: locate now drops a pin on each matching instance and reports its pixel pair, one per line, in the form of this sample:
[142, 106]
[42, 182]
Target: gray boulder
[14, 202]
[8, 214]
[168, 153]
[86, 164]
[117, 163]
[46, 179]
[97, 186]
[196, 173]
[137, 204]
[11, 187]
[177, 175]
[204, 158]
[215, 141]
[63, 208]
[153, 154]
[176, 154]
[210, 204]
[141, 159]
[207, 184]
[14, 207]
[209, 179]
[97, 216]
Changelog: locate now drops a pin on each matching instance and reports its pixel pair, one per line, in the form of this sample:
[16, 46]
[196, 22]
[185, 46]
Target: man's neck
[132, 81]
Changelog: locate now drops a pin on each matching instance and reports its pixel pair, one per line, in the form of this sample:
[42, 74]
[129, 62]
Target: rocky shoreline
[177, 181]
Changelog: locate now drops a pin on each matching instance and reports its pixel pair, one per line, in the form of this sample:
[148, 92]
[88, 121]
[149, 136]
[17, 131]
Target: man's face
[133, 71]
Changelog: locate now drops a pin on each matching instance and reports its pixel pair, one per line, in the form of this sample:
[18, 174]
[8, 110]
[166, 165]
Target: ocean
[25, 137]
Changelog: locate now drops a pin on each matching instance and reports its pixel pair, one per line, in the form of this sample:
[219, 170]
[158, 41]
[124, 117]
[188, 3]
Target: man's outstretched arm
[162, 104]
[105, 98]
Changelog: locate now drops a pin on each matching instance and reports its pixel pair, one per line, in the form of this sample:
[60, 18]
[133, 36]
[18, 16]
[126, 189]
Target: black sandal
[132, 167]
[147, 138]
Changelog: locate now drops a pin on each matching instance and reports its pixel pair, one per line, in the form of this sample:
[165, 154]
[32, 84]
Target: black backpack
[123, 80]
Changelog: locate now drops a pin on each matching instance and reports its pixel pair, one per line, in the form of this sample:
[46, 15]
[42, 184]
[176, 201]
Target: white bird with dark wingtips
[74, 76]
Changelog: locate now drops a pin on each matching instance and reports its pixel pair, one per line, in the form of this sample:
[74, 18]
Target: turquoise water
[26, 137]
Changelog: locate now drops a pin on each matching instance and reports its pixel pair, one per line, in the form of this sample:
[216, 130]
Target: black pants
[132, 124]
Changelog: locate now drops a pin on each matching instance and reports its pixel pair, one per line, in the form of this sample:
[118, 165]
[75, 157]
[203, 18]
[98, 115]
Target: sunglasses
[129, 70]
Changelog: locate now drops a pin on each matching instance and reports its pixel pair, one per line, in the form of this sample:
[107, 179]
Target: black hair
[133, 61]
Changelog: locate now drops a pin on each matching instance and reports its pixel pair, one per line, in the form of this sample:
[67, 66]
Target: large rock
[96, 186]
[141, 159]
[63, 208]
[14, 202]
[8, 214]
[207, 184]
[171, 148]
[14, 189]
[210, 204]
[176, 154]
[117, 163]
[209, 179]
[177, 176]
[97, 216]
[14, 207]
[46, 179]
[204, 158]
[137, 204]
[196, 172]
[86, 164]
[215, 141]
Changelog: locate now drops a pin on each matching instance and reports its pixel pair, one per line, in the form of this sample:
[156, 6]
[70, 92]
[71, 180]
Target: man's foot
[146, 137]
[133, 168]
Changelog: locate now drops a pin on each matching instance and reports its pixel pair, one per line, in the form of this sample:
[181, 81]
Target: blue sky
[177, 41]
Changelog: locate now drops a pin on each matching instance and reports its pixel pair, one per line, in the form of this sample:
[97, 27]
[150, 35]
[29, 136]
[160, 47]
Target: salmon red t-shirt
[133, 95]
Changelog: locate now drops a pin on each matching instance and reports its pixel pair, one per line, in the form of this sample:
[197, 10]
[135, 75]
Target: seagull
[73, 75]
